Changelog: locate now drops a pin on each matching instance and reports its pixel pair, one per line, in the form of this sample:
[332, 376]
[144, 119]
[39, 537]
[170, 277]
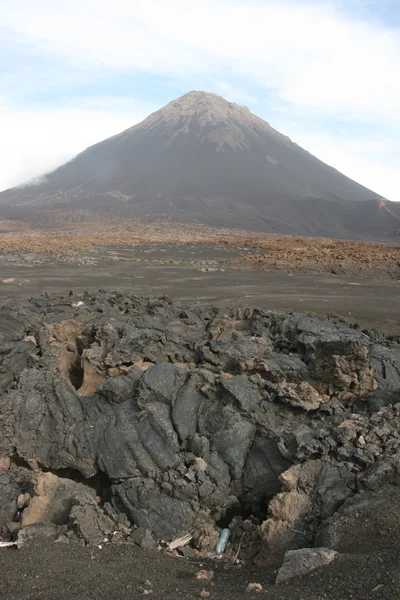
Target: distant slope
[205, 160]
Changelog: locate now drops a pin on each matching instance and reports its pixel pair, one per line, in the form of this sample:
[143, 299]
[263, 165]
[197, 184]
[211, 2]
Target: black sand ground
[370, 302]
[72, 572]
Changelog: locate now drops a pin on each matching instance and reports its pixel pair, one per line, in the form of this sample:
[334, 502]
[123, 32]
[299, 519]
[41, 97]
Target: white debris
[179, 542]
[7, 544]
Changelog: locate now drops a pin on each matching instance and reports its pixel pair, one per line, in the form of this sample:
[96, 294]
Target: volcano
[201, 159]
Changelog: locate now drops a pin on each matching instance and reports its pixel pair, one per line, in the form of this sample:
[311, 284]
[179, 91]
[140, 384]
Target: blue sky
[326, 73]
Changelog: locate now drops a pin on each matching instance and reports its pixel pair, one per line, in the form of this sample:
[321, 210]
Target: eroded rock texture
[197, 416]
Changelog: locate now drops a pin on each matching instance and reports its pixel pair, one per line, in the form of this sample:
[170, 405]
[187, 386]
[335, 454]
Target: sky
[324, 72]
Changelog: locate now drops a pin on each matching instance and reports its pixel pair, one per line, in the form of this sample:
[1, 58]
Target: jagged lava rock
[190, 424]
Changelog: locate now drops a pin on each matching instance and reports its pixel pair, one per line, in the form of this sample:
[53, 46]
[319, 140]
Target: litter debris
[179, 542]
[77, 304]
[7, 544]
[238, 550]
[222, 542]
[204, 594]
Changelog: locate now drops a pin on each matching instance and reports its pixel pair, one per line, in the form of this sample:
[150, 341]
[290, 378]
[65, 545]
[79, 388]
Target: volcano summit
[202, 159]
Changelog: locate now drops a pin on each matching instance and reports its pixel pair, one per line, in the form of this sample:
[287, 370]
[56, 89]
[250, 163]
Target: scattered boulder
[53, 500]
[300, 562]
[89, 522]
[143, 538]
[53, 503]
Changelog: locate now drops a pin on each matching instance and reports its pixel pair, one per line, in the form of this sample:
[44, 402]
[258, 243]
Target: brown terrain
[322, 255]
[358, 280]
[274, 252]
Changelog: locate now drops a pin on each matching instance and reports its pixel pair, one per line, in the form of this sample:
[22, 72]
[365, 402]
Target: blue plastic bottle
[222, 542]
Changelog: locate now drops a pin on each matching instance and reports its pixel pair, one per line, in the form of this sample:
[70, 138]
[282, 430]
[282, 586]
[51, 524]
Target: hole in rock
[246, 511]
[19, 461]
[76, 373]
[100, 482]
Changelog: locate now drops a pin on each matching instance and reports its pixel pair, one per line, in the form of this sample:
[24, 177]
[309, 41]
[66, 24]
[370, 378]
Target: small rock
[254, 587]
[5, 463]
[188, 552]
[62, 539]
[89, 522]
[361, 442]
[204, 594]
[203, 574]
[23, 501]
[143, 538]
[300, 562]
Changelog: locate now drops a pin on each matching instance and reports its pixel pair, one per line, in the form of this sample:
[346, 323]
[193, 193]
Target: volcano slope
[134, 420]
[203, 160]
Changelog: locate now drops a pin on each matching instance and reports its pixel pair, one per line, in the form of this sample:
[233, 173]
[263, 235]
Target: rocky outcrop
[196, 417]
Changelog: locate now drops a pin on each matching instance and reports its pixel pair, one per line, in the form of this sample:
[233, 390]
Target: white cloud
[235, 94]
[309, 55]
[367, 162]
[36, 141]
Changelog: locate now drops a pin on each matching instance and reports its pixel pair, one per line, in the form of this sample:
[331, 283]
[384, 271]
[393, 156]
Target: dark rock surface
[12, 485]
[189, 418]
